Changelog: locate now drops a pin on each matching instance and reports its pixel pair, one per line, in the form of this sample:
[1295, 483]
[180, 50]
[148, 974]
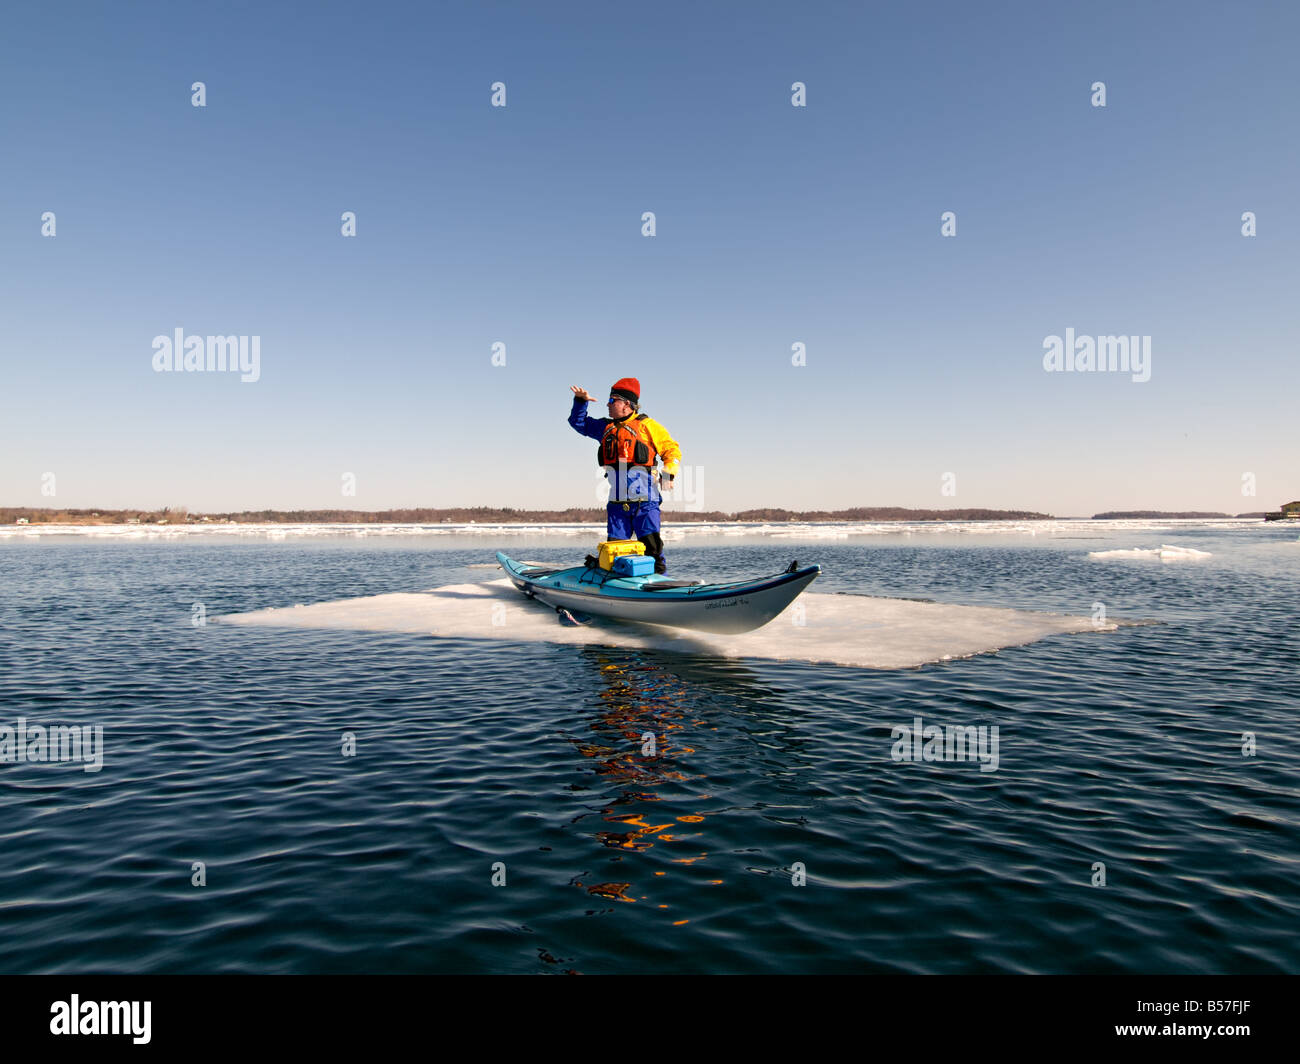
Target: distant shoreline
[506, 516]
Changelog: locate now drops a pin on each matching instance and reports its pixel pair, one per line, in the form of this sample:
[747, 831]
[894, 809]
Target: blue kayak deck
[598, 581]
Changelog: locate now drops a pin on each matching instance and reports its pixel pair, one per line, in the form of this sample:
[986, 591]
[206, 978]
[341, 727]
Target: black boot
[654, 547]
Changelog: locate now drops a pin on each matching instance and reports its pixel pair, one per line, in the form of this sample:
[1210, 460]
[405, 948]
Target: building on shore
[1290, 512]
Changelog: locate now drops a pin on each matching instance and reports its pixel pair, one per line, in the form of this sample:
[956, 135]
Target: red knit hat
[629, 388]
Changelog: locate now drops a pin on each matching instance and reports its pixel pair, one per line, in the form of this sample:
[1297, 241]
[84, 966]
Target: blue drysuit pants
[638, 520]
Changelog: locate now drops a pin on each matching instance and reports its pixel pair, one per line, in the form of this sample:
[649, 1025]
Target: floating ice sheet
[678, 527]
[857, 630]
[1163, 553]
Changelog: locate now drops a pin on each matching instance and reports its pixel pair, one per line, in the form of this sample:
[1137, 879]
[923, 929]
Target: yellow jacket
[669, 453]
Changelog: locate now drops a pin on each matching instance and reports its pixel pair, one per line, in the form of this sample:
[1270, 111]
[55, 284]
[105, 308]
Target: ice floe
[1163, 553]
[839, 629]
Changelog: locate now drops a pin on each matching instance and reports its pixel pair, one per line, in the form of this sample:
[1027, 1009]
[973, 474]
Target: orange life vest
[627, 443]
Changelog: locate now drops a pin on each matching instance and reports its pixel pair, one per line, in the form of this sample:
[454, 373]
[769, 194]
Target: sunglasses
[615, 399]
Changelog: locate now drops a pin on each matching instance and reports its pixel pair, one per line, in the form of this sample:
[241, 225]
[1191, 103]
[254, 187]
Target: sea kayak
[740, 606]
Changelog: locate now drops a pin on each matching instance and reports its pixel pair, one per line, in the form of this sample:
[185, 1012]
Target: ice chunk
[856, 630]
[1163, 553]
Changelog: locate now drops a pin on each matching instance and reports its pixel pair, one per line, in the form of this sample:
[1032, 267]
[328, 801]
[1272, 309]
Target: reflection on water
[657, 804]
[637, 746]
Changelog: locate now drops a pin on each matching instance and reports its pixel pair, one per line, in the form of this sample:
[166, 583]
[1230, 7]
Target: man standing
[630, 442]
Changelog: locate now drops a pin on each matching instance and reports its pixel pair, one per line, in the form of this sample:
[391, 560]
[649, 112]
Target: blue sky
[775, 225]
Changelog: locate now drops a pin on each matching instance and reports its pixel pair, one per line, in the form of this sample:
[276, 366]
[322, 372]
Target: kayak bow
[740, 606]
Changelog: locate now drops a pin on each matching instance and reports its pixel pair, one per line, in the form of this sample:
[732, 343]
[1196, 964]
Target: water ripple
[355, 800]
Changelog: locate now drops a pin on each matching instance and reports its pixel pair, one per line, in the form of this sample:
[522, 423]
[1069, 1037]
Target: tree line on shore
[489, 515]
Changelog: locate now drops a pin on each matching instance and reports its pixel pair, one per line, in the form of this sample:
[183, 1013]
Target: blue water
[223, 745]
